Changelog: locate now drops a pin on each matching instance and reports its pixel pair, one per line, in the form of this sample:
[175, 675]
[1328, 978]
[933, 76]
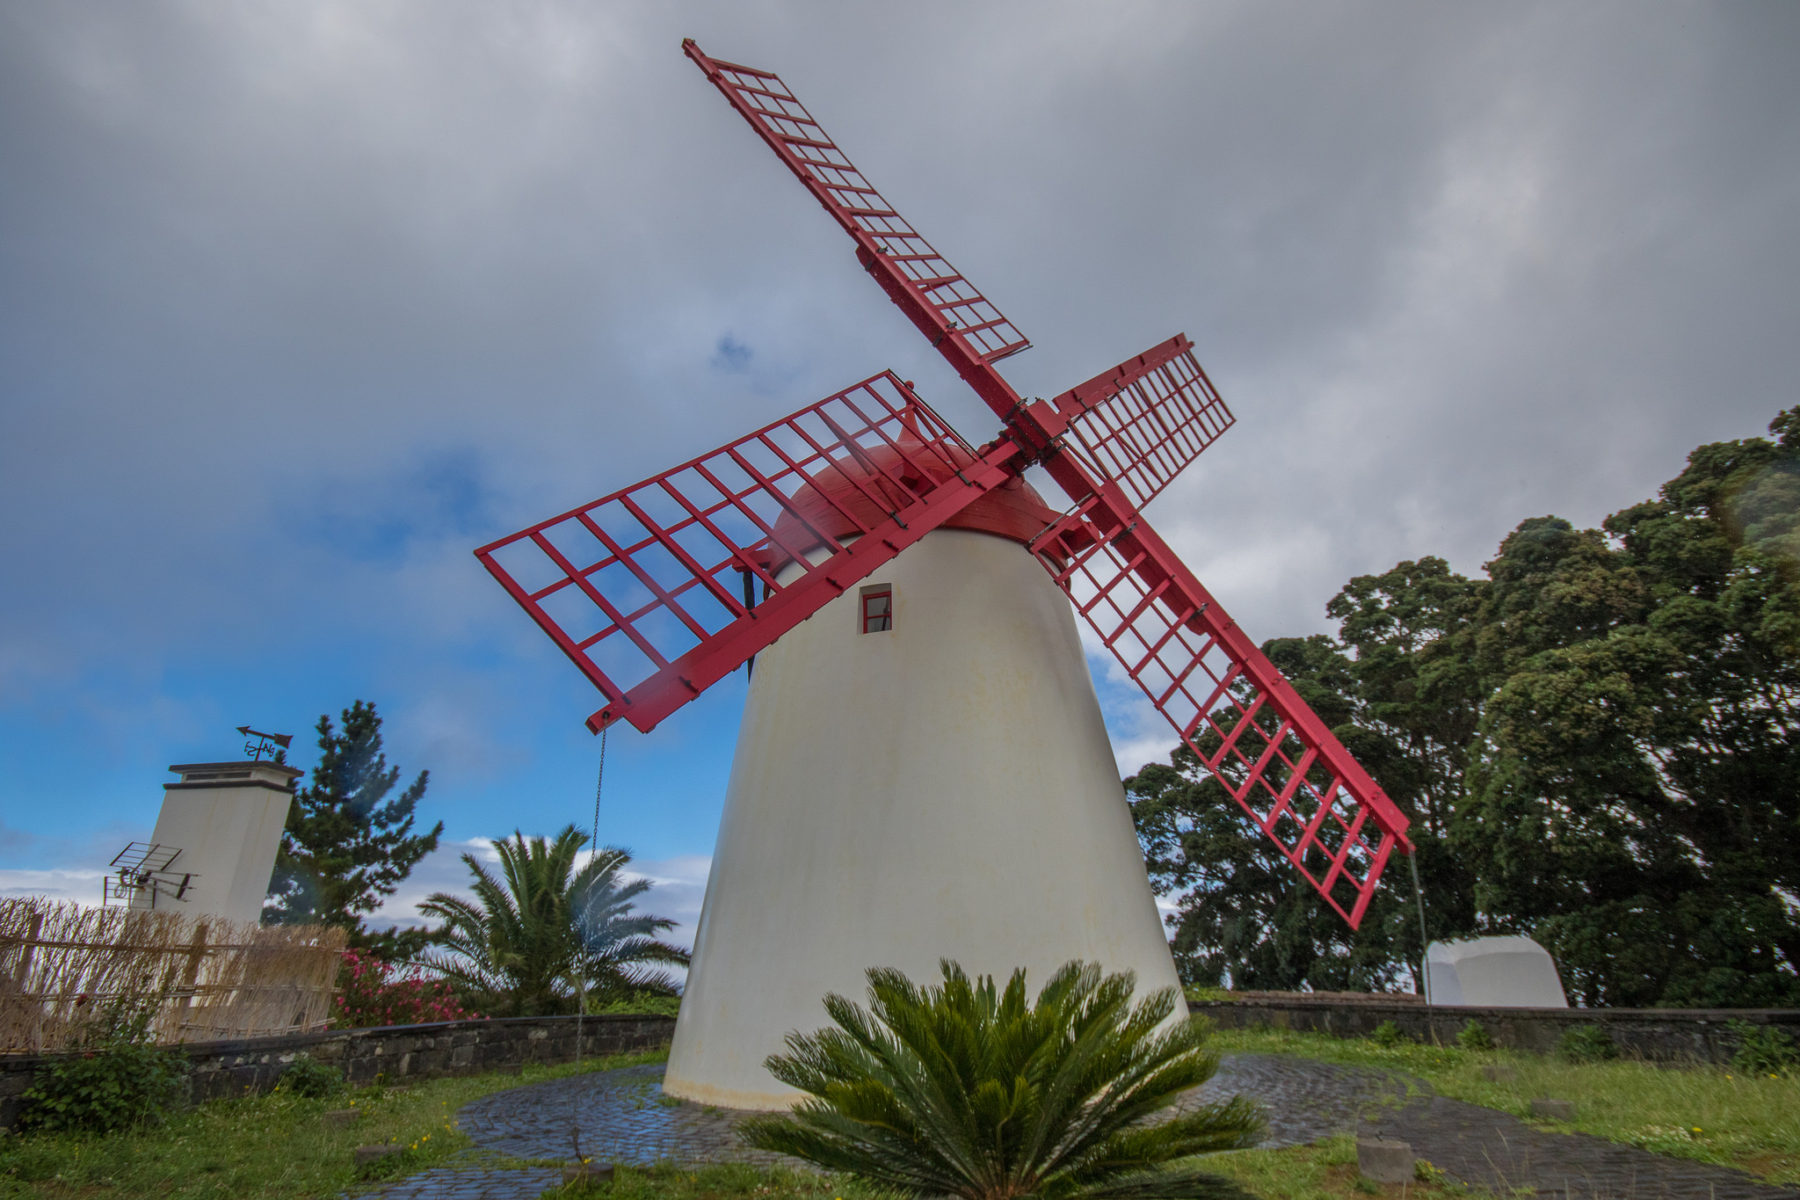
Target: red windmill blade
[801, 143]
[652, 590]
[647, 592]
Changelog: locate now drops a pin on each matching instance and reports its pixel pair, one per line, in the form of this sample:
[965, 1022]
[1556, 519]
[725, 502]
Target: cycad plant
[537, 932]
[972, 1091]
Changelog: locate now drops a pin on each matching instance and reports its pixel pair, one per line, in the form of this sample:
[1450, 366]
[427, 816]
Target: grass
[725, 1181]
[280, 1146]
[276, 1145]
[1322, 1171]
[1703, 1113]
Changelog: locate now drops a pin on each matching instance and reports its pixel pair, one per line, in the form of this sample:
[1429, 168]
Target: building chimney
[225, 819]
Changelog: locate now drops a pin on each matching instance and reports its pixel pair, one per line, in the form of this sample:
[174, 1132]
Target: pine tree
[346, 845]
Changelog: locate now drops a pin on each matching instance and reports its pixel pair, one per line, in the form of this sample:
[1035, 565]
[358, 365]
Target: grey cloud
[261, 267]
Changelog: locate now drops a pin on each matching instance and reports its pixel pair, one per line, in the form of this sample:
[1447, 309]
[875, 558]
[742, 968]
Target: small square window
[878, 608]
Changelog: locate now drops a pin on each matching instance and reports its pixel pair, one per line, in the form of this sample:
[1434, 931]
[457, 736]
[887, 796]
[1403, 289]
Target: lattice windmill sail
[657, 591]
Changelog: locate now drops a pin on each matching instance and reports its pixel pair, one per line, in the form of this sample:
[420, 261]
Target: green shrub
[1763, 1049]
[307, 1076]
[1474, 1036]
[643, 1003]
[1387, 1035]
[114, 1079]
[1586, 1043]
[971, 1091]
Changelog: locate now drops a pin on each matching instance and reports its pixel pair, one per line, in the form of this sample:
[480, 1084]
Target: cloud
[730, 357]
[82, 886]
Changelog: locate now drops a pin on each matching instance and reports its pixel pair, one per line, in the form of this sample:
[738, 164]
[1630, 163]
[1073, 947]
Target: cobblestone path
[623, 1116]
[1303, 1100]
[1503, 1154]
[618, 1116]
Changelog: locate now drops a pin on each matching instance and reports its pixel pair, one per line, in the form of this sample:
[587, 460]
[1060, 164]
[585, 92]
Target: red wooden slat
[1145, 420]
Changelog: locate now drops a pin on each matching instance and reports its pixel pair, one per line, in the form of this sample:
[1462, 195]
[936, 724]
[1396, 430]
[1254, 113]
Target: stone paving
[1499, 1152]
[623, 1116]
[1302, 1100]
[616, 1116]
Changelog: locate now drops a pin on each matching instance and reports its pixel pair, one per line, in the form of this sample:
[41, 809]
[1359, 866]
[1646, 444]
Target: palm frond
[538, 926]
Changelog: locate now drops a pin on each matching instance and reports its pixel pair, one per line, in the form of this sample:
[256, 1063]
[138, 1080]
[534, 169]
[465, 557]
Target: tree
[1598, 744]
[966, 1090]
[347, 845]
[532, 934]
[1641, 789]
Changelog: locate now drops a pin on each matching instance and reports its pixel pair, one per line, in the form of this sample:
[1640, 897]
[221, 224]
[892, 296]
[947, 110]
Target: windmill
[922, 770]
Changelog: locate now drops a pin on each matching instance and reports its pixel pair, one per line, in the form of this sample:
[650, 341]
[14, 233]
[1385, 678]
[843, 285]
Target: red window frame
[876, 612]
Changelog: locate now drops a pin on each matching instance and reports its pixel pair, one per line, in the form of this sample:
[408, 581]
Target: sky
[302, 302]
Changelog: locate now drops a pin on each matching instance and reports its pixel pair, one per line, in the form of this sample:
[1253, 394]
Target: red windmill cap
[858, 492]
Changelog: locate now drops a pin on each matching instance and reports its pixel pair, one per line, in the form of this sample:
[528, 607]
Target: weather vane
[257, 743]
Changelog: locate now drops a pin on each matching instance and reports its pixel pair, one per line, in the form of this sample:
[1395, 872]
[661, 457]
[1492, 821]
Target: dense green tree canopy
[347, 844]
[1599, 744]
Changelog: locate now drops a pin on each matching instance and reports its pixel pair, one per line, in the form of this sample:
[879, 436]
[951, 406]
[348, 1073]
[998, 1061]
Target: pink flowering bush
[373, 992]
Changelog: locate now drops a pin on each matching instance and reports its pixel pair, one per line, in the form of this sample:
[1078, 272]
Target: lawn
[278, 1145]
[1323, 1171]
[282, 1146]
[1706, 1113]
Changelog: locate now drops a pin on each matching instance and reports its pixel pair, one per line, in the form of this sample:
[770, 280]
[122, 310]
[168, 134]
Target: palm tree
[543, 927]
[966, 1091]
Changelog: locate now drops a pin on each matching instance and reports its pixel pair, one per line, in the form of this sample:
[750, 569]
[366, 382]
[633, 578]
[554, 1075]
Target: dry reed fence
[211, 978]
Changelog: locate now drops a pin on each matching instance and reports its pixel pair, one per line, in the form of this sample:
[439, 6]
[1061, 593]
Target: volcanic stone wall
[1673, 1035]
[390, 1053]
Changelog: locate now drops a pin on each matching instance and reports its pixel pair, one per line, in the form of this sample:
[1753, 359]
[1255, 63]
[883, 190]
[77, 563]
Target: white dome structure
[937, 786]
[1493, 972]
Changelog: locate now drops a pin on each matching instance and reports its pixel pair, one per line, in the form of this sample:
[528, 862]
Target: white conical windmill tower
[922, 771]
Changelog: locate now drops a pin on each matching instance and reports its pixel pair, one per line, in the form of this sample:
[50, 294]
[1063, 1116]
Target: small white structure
[922, 773]
[225, 819]
[1493, 972]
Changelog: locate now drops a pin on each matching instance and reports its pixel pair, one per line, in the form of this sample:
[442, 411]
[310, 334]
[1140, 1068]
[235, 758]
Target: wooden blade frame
[1229, 704]
[1141, 423]
[799, 141]
[650, 591]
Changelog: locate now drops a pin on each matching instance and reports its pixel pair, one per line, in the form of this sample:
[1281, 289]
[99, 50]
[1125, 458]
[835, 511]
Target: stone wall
[1657, 1034]
[390, 1053]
